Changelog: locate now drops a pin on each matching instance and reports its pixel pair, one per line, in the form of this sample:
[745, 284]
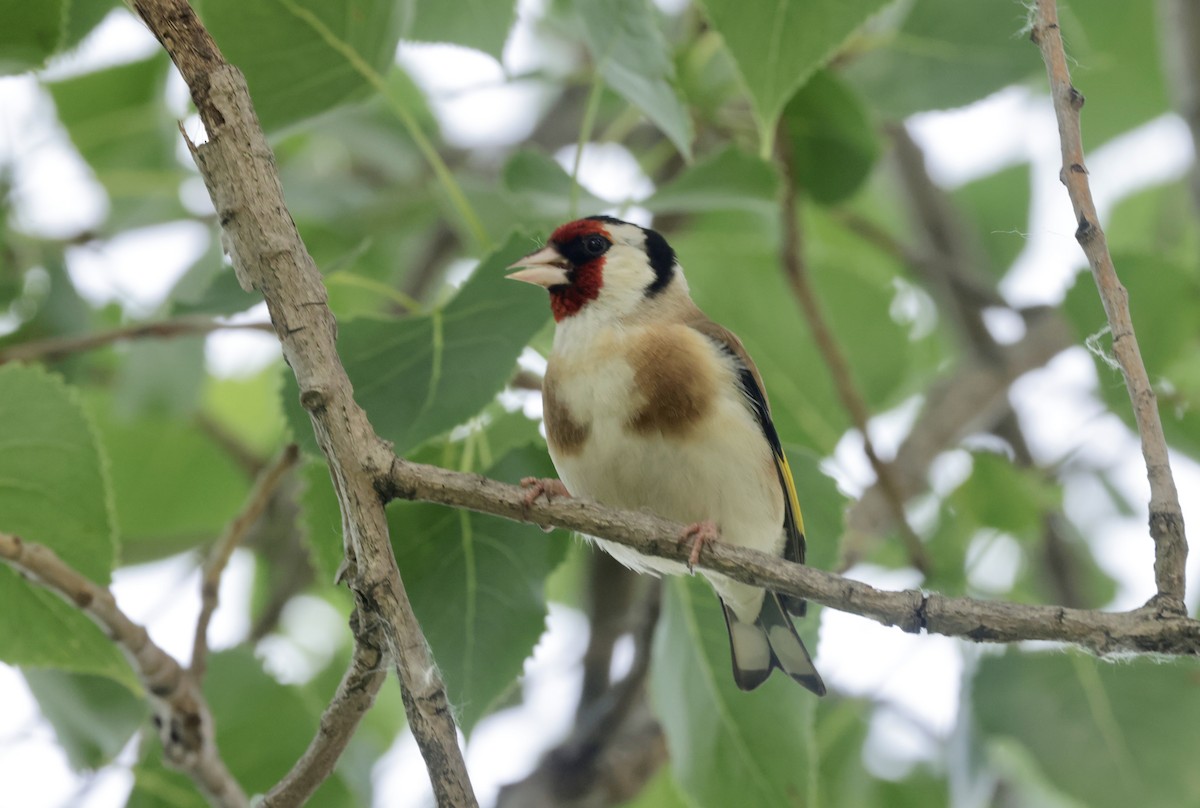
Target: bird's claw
[699, 533]
[536, 487]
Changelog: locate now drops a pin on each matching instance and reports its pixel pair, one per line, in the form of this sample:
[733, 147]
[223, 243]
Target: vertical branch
[1166, 516]
[238, 168]
[796, 270]
[1180, 26]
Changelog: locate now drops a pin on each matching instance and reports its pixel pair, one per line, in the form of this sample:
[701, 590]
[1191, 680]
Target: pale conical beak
[546, 267]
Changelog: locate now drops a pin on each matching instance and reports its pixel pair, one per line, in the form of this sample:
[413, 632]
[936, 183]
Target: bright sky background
[56, 195]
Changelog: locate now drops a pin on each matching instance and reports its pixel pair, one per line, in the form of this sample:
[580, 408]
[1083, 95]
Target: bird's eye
[595, 245]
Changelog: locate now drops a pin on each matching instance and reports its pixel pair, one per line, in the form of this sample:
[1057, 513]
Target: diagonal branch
[796, 269]
[1145, 630]
[355, 695]
[210, 583]
[239, 171]
[180, 711]
[1166, 516]
[57, 347]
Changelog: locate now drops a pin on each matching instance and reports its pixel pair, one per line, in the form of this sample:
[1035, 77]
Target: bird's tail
[768, 643]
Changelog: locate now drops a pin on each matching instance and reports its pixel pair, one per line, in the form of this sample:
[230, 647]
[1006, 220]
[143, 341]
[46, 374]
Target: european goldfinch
[650, 404]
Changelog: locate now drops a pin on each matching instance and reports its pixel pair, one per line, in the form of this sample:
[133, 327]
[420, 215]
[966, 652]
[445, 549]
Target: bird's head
[600, 265]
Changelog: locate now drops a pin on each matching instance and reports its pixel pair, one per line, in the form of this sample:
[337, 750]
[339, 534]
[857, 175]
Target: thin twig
[1145, 630]
[796, 269]
[355, 695]
[57, 347]
[1166, 515]
[210, 583]
[268, 254]
[180, 711]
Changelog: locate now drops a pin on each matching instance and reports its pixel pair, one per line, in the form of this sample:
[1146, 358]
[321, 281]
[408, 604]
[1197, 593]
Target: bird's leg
[699, 533]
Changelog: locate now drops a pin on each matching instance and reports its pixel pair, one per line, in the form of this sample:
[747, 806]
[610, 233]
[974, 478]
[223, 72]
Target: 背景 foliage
[136, 452]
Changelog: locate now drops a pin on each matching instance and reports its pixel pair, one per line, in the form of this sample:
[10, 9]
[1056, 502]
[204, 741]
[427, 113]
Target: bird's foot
[699, 533]
[542, 487]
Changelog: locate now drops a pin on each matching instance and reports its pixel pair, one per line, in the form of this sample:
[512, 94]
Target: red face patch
[587, 272]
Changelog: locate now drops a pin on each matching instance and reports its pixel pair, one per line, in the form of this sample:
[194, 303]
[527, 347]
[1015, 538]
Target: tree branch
[239, 170]
[57, 347]
[1145, 630]
[355, 695]
[180, 711]
[210, 583]
[1166, 516]
[796, 270]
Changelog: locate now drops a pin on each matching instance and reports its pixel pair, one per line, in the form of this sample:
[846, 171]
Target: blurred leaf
[159, 376]
[93, 716]
[542, 188]
[661, 792]
[822, 505]
[1106, 734]
[778, 46]
[728, 180]
[727, 747]
[82, 18]
[54, 490]
[1159, 220]
[947, 54]
[262, 729]
[293, 52]
[1164, 301]
[634, 60]
[117, 120]
[1116, 62]
[31, 32]
[480, 24]
[420, 376]
[173, 486]
[476, 584]
[831, 138]
[1000, 495]
[210, 287]
[998, 204]
[322, 520]
[249, 408]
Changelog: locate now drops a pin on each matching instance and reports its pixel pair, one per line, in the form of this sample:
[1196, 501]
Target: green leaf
[82, 18]
[946, 54]
[777, 46]
[421, 376]
[174, 487]
[1164, 302]
[999, 206]
[633, 58]
[303, 57]
[159, 376]
[728, 180]
[262, 729]
[1000, 495]
[31, 32]
[543, 189]
[831, 138]
[476, 584]
[1106, 734]
[117, 120]
[479, 24]
[54, 490]
[1116, 62]
[93, 716]
[727, 747]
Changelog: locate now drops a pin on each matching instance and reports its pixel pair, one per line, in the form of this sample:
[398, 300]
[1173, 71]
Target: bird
[649, 404]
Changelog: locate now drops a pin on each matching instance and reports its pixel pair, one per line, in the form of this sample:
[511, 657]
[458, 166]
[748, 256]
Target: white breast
[722, 470]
